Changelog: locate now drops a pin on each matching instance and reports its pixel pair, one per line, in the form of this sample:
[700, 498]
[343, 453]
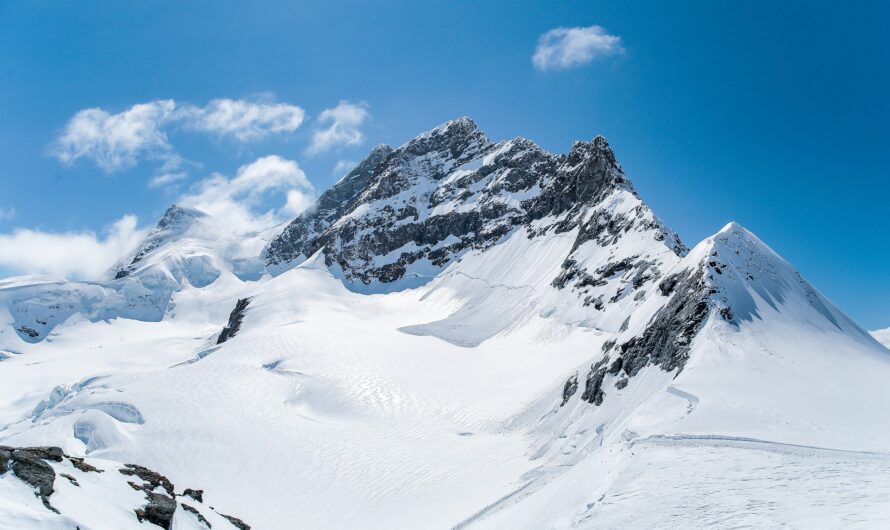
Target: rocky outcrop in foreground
[47, 469]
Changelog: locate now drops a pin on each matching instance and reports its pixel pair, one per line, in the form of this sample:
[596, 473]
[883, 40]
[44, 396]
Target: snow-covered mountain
[461, 333]
[882, 336]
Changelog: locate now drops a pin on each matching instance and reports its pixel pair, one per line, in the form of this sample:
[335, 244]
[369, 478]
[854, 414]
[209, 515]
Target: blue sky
[771, 114]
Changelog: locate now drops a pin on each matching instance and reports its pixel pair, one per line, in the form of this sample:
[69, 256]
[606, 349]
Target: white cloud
[297, 202]
[165, 179]
[116, 141]
[6, 214]
[339, 126]
[239, 202]
[80, 255]
[242, 120]
[562, 48]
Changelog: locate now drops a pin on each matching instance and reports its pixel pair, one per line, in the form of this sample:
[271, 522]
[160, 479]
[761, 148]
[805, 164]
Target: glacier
[461, 333]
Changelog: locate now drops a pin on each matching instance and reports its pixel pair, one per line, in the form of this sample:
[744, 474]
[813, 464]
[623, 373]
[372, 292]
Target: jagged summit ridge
[445, 192]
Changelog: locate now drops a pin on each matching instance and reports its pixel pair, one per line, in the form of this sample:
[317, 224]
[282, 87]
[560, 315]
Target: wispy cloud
[165, 179]
[242, 120]
[6, 213]
[115, 142]
[338, 127]
[79, 255]
[239, 201]
[563, 48]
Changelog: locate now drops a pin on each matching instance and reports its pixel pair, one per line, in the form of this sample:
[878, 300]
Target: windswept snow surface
[323, 412]
[318, 414]
[490, 396]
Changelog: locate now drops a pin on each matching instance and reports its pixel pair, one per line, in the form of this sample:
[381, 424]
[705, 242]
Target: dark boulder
[31, 470]
[151, 478]
[237, 523]
[198, 495]
[159, 510]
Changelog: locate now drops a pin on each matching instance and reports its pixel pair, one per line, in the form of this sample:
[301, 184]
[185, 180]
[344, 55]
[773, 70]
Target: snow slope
[882, 336]
[95, 493]
[187, 249]
[566, 362]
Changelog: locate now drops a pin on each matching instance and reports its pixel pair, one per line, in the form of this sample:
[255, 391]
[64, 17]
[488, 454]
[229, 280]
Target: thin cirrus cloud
[78, 255]
[167, 178]
[563, 48]
[6, 214]
[116, 142]
[339, 127]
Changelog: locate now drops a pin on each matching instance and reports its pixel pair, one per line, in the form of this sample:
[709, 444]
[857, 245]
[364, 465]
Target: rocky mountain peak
[179, 216]
[456, 140]
[598, 148]
[175, 222]
[404, 214]
[588, 172]
[333, 201]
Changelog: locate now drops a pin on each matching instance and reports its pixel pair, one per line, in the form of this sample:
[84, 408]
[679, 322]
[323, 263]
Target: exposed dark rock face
[80, 464]
[5, 455]
[593, 389]
[150, 478]
[667, 338]
[298, 237]
[584, 175]
[198, 495]
[235, 319]
[31, 332]
[605, 228]
[159, 508]
[624, 325]
[666, 287]
[27, 464]
[237, 523]
[158, 511]
[197, 514]
[569, 389]
[30, 465]
[409, 212]
[53, 454]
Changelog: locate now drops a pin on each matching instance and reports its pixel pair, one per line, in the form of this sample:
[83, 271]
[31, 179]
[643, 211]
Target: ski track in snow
[740, 442]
